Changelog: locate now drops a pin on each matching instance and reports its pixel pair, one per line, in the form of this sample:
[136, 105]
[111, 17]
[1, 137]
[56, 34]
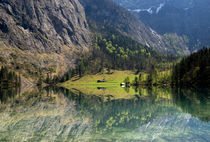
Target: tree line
[193, 71]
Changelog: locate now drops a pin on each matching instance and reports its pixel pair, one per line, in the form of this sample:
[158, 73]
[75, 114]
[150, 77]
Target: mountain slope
[107, 14]
[43, 24]
[184, 17]
[49, 36]
[41, 28]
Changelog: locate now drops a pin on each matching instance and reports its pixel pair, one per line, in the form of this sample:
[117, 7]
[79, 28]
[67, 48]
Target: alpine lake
[62, 115]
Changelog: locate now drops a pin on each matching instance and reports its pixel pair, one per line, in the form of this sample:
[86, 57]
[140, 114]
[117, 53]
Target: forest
[193, 71]
[117, 52]
[114, 51]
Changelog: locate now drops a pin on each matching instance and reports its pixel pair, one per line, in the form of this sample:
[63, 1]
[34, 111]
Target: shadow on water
[157, 113]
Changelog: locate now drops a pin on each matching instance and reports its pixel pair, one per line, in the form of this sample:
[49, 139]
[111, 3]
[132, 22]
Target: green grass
[113, 79]
[88, 84]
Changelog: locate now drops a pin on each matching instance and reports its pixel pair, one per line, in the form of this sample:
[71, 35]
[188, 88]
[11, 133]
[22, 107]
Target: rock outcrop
[40, 27]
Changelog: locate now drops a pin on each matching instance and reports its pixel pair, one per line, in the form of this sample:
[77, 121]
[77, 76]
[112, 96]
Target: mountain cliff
[43, 28]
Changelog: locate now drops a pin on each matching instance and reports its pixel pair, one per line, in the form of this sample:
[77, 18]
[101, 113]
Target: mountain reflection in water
[59, 114]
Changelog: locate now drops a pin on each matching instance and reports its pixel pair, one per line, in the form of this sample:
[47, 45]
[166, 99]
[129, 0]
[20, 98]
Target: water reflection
[10, 93]
[195, 102]
[58, 114]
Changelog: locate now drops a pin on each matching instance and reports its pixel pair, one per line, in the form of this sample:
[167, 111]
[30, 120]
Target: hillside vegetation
[193, 71]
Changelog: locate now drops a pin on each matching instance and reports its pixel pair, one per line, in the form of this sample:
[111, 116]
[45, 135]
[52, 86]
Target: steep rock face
[43, 34]
[42, 25]
[107, 13]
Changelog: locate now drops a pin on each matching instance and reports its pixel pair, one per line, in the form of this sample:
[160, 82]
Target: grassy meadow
[88, 83]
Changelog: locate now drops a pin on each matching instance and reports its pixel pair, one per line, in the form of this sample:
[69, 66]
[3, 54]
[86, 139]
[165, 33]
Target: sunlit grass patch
[88, 84]
[113, 79]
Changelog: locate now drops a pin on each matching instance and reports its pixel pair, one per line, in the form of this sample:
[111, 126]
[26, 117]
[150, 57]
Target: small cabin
[100, 81]
[122, 84]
